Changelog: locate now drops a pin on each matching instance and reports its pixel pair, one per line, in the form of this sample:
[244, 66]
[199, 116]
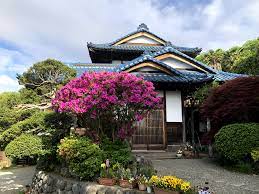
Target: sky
[34, 30]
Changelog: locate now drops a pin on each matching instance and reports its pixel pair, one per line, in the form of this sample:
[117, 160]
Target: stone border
[44, 182]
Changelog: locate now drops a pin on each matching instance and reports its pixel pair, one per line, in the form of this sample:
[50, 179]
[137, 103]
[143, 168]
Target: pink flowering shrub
[107, 102]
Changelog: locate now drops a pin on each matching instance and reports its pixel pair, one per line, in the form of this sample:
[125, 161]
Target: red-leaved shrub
[236, 101]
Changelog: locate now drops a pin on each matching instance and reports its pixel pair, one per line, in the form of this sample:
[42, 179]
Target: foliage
[57, 126]
[117, 151]
[33, 124]
[212, 58]
[9, 117]
[171, 183]
[232, 102]
[109, 102]
[142, 179]
[106, 170]
[244, 59]
[46, 76]
[147, 170]
[202, 93]
[29, 96]
[126, 174]
[84, 158]
[255, 154]
[236, 141]
[26, 145]
[9, 99]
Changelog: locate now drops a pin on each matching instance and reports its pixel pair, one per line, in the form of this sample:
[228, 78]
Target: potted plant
[188, 151]
[179, 153]
[106, 174]
[126, 180]
[170, 185]
[149, 187]
[142, 182]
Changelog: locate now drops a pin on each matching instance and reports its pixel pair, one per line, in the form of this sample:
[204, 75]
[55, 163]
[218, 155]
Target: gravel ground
[199, 171]
[14, 179]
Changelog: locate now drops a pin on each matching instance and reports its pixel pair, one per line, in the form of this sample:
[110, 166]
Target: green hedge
[26, 145]
[236, 141]
[83, 157]
[33, 123]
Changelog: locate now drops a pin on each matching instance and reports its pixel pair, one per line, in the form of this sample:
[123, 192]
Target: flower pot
[188, 154]
[163, 191]
[126, 184]
[106, 181]
[179, 155]
[142, 187]
[149, 189]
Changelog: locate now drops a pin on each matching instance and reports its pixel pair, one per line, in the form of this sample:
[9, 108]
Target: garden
[80, 128]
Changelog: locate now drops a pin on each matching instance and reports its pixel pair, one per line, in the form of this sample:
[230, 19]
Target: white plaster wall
[173, 106]
[143, 69]
[160, 93]
[176, 63]
[143, 39]
[116, 62]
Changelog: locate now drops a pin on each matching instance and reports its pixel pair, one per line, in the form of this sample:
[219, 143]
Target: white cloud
[12, 61]
[8, 84]
[60, 29]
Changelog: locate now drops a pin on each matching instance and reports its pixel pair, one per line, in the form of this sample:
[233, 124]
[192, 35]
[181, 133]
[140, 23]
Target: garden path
[14, 179]
[199, 171]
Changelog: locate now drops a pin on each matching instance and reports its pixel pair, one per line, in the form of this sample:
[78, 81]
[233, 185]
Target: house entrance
[150, 132]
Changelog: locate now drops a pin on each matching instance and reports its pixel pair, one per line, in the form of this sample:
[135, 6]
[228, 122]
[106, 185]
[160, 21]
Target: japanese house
[172, 69]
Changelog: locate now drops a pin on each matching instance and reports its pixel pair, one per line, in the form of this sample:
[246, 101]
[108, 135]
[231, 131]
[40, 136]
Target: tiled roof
[145, 58]
[170, 49]
[218, 76]
[141, 28]
[224, 76]
[165, 78]
[125, 47]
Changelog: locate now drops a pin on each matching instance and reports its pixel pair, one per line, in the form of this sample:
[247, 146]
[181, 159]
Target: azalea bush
[108, 102]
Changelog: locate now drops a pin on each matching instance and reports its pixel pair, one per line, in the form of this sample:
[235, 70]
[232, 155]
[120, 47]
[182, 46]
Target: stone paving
[199, 171]
[14, 179]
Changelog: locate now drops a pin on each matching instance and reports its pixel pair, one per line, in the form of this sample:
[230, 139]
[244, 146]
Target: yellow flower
[103, 165]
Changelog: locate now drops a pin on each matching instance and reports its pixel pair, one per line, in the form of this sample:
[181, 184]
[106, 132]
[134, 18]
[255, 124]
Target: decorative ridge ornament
[143, 26]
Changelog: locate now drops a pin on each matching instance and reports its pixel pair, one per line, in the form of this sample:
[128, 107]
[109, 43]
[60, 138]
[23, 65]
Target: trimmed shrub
[9, 117]
[26, 145]
[35, 123]
[117, 151]
[236, 141]
[83, 157]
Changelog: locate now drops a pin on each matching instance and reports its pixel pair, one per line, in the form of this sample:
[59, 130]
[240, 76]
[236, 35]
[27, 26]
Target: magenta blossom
[107, 97]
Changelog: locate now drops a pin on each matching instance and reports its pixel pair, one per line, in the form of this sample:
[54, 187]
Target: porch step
[154, 155]
[173, 148]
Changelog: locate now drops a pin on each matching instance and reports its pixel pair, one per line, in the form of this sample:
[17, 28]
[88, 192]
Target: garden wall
[44, 182]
